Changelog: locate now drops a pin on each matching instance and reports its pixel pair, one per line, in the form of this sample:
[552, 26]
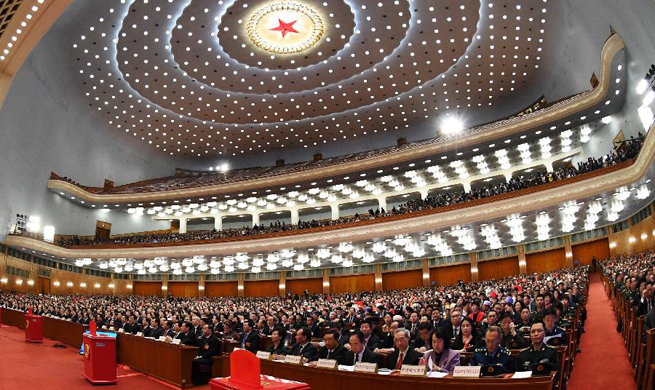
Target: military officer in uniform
[538, 354]
[494, 358]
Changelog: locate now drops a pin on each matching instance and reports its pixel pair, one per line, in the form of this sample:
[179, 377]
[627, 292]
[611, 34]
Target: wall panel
[183, 289]
[402, 279]
[261, 288]
[545, 261]
[444, 276]
[583, 253]
[353, 283]
[221, 289]
[498, 269]
[147, 288]
[298, 286]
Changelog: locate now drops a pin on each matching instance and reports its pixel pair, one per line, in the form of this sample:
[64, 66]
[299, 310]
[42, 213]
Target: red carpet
[34, 366]
[603, 363]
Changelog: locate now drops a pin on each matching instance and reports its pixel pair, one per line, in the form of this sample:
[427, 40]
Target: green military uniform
[530, 356]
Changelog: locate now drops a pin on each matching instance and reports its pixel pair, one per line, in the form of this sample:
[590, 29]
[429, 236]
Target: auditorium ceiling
[229, 78]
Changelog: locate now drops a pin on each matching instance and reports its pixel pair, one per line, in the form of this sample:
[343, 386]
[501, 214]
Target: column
[335, 210]
[218, 222]
[255, 219]
[423, 192]
[549, 166]
[130, 283]
[240, 284]
[201, 286]
[568, 251]
[164, 285]
[283, 284]
[326, 281]
[467, 186]
[611, 238]
[182, 225]
[474, 267]
[426, 272]
[378, 277]
[523, 265]
[382, 203]
[295, 216]
[508, 176]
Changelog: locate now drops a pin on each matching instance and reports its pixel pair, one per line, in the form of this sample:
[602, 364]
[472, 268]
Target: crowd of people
[429, 326]
[633, 276]
[629, 150]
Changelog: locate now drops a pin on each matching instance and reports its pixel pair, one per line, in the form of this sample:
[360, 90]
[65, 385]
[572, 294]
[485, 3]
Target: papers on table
[522, 375]
[437, 374]
[346, 368]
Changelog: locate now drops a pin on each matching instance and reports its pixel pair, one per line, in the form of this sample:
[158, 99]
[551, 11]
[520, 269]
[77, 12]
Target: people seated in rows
[402, 353]
[278, 348]
[304, 346]
[440, 358]
[538, 353]
[493, 357]
[511, 339]
[422, 342]
[358, 353]
[186, 336]
[467, 339]
[332, 350]
[441, 199]
[249, 339]
[554, 334]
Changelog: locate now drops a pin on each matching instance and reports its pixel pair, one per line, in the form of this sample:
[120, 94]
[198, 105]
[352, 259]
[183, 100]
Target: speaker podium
[33, 328]
[99, 359]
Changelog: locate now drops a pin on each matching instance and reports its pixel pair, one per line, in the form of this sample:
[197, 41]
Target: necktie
[355, 359]
[401, 356]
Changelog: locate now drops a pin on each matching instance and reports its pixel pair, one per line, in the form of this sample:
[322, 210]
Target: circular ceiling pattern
[185, 77]
[285, 28]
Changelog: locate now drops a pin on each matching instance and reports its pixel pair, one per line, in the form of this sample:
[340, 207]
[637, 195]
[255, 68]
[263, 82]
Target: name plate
[293, 359]
[104, 327]
[330, 364]
[409, 370]
[263, 355]
[112, 328]
[467, 372]
[366, 367]
[139, 334]
[176, 341]
[161, 338]
[121, 330]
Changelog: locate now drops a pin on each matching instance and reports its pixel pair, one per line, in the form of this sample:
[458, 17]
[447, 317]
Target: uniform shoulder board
[480, 350]
[525, 349]
[549, 346]
[506, 352]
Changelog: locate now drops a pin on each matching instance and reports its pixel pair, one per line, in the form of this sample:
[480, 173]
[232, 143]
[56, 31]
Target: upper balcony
[554, 120]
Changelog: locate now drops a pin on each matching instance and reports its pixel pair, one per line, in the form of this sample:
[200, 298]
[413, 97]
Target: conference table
[172, 364]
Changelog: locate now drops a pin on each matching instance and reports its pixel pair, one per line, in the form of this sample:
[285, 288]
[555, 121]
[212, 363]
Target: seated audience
[402, 353]
[440, 358]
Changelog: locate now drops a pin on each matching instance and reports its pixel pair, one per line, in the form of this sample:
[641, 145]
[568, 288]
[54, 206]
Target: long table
[324, 379]
[172, 364]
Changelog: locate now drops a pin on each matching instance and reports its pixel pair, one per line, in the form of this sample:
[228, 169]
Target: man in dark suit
[197, 328]
[208, 348]
[332, 349]
[168, 329]
[188, 337]
[437, 320]
[304, 346]
[402, 354]
[422, 342]
[357, 351]
[250, 339]
[132, 327]
[371, 341]
[313, 327]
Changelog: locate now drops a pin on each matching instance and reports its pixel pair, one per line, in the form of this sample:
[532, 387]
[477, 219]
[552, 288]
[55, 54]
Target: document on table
[346, 368]
[522, 375]
[437, 374]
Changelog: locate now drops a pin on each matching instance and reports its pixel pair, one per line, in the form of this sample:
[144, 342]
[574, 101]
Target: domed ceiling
[211, 78]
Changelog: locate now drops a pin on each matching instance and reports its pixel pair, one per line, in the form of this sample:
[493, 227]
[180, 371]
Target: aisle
[603, 362]
[34, 366]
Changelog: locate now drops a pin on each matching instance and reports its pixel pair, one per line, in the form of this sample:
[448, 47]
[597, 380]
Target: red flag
[29, 311]
[92, 328]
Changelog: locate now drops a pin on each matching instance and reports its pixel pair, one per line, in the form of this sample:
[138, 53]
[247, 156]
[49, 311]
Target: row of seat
[639, 342]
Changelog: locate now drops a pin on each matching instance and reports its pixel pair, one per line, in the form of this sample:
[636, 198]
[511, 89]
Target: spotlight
[451, 126]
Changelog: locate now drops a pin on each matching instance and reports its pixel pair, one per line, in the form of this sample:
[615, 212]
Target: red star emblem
[285, 28]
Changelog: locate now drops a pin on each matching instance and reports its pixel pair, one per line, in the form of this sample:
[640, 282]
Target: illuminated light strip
[314, 36]
[23, 24]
